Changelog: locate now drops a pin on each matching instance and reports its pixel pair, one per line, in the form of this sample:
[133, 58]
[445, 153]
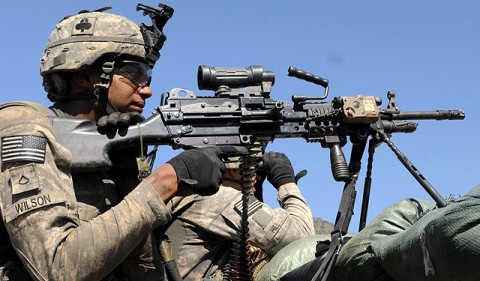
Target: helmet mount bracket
[153, 35]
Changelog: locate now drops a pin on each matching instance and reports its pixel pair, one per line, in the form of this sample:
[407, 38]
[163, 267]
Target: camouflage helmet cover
[78, 41]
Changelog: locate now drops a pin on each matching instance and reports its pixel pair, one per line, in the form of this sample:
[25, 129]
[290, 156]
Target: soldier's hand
[202, 168]
[278, 168]
[118, 120]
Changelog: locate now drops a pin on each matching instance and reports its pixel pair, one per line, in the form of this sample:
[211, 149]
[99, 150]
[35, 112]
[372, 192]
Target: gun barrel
[424, 115]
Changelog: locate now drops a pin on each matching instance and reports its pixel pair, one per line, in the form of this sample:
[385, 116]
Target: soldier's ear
[81, 79]
[86, 78]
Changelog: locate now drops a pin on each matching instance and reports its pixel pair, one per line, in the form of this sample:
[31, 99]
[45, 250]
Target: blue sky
[425, 51]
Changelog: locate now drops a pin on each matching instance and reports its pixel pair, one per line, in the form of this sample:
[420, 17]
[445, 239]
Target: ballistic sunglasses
[137, 72]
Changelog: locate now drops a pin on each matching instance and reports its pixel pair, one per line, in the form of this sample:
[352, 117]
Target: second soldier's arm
[270, 228]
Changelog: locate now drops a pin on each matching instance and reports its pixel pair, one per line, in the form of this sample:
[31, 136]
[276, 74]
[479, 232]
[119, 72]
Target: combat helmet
[80, 40]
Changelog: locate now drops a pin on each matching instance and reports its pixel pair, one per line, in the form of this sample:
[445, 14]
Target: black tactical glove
[118, 120]
[278, 168]
[202, 169]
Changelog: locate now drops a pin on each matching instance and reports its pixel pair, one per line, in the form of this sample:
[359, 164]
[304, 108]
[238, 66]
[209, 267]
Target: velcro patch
[23, 179]
[31, 203]
[262, 217]
[23, 148]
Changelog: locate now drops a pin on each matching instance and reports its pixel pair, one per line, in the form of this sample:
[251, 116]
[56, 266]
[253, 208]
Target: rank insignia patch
[23, 148]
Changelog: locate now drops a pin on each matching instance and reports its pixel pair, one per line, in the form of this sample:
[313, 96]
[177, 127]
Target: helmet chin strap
[101, 89]
[102, 96]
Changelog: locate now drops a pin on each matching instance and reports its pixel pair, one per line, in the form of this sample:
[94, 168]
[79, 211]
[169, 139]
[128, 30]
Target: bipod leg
[368, 183]
[413, 170]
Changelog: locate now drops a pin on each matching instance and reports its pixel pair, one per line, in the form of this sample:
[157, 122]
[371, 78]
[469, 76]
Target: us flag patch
[23, 148]
[253, 205]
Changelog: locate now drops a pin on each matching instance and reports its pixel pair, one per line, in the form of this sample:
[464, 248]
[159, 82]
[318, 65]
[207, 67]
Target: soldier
[94, 65]
[206, 227]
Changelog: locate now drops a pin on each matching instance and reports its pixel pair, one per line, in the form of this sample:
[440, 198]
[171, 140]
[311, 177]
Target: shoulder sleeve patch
[23, 179]
[23, 148]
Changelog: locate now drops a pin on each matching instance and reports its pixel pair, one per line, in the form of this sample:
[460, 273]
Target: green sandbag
[411, 240]
[442, 245]
[292, 256]
[356, 261]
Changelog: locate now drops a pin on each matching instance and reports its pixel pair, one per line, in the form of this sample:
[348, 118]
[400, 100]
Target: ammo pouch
[13, 271]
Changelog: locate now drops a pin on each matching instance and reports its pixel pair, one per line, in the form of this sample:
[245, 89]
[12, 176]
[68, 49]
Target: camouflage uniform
[63, 225]
[40, 212]
[96, 192]
[210, 224]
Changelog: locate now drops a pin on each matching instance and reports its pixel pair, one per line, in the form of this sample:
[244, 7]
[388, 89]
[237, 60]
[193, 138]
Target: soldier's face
[127, 95]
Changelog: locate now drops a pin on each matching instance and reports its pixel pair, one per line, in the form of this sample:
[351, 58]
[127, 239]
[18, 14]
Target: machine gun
[242, 113]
